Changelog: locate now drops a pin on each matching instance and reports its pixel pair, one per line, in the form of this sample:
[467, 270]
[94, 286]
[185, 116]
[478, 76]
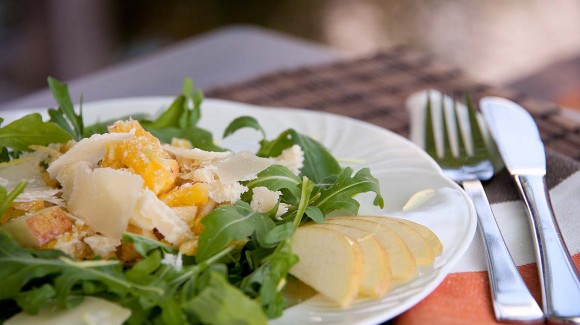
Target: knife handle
[559, 279]
[512, 301]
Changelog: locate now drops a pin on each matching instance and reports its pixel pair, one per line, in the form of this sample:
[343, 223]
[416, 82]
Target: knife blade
[521, 148]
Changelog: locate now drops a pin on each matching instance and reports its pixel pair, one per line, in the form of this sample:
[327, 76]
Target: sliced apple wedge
[402, 263]
[425, 232]
[376, 278]
[418, 245]
[38, 228]
[330, 262]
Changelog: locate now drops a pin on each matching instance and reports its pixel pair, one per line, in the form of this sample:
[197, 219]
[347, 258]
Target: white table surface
[227, 55]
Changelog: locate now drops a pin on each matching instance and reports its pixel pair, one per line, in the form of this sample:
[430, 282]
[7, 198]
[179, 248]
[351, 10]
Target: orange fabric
[465, 298]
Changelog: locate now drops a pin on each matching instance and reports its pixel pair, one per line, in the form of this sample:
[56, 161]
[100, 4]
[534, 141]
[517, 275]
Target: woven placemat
[374, 89]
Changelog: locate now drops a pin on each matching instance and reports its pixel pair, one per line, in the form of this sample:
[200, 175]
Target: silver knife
[522, 151]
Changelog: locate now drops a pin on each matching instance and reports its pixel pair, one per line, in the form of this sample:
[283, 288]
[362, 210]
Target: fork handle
[559, 279]
[512, 301]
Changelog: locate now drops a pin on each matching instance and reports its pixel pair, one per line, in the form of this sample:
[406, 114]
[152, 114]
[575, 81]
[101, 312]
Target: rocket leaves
[65, 115]
[243, 256]
[30, 130]
[338, 195]
[230, 223]
[156, 292]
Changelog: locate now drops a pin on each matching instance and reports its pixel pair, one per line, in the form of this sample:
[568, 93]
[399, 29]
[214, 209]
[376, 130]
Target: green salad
[231, 264]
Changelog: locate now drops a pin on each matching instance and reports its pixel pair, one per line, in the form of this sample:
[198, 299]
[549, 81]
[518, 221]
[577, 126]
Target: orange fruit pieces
[143, 155]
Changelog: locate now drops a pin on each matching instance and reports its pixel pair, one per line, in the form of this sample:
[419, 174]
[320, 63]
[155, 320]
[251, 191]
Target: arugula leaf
[221, 303]
[265, 282]
[32, 300]
[4, 155]
[180, 120]
[6, 198]
[315, 214]
[318, 162]
[29, 130]
[199, 138]
[197, 97]
[171, 117]
[21, 266]
[101, 127]
[339, 195]
[268, 279]
[65, 115]
[243, 122]
[172, 313]
[275, 178]
[183, 113]
[143, 245]
[279, 233]
[230, 223]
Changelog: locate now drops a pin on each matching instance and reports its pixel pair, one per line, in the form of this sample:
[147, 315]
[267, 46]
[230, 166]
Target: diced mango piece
[34, 230]
[143, 155]
[186, 195]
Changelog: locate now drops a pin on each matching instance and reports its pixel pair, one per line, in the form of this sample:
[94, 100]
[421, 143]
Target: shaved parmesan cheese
[221, 193]
[44, 194]
[195, 153]
[101, 245]
[105, 198]
[282, 208]
[174, 261]
[205, 174]
[66, 176]
[264, 200]
[240, 166]
[217, 191]
[150, 212]
[90, 149]
[223, 176]
[292, 158]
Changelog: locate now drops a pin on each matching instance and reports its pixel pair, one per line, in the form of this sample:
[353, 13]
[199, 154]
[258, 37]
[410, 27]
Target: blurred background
[530, 45]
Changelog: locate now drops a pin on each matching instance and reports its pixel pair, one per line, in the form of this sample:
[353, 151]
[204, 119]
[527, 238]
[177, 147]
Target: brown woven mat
[374, 89]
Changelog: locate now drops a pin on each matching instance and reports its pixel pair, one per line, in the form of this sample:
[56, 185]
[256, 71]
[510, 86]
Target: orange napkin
[465, 298]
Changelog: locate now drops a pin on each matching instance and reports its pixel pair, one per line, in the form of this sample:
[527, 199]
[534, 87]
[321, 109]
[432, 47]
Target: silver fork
[512, 301]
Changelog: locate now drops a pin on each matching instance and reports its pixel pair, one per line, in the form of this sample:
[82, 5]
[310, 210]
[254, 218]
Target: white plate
[401, 167]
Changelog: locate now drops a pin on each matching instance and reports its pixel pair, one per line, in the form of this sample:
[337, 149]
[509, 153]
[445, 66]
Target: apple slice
[403, 265]
[376, 280]
[425, 232]
[38, 228]
[330, 262]
[418, 246]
